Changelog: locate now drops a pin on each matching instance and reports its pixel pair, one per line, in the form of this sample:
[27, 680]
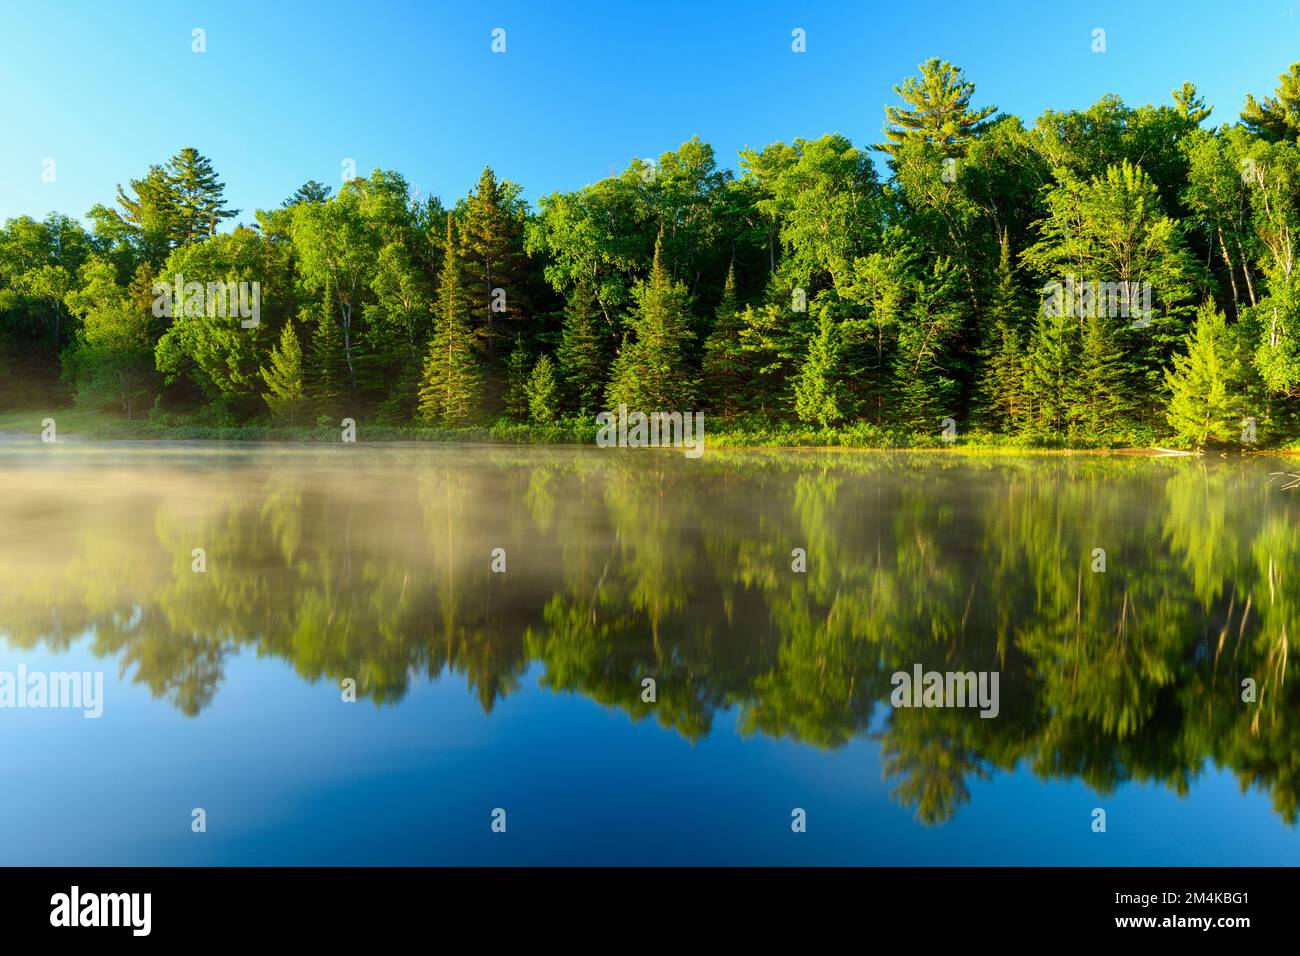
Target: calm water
[523, 690]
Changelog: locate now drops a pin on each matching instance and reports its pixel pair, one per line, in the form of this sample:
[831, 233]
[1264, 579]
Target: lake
[626, 656]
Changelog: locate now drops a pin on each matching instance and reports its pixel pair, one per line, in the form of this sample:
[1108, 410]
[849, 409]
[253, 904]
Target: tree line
[803, 286]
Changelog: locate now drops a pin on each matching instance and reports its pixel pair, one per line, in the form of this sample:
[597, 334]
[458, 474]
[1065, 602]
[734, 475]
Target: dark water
[1119, 690]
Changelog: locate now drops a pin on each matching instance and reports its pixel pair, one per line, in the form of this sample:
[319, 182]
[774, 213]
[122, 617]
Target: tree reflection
[636, 564]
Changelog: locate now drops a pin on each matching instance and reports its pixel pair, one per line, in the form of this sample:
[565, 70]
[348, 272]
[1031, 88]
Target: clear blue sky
[287, 90]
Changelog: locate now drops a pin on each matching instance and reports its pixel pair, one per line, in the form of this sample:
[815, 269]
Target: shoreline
[223, 436]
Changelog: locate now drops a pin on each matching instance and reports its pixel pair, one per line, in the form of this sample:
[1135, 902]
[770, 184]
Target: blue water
[290, 774]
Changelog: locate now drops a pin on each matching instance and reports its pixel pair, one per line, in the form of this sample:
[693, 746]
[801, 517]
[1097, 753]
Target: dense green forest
[803, 289]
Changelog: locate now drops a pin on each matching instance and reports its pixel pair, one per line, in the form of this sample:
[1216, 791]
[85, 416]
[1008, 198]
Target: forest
[809, 288]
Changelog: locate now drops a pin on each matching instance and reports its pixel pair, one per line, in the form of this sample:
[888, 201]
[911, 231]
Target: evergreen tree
[517, 381]
[1206, 383]
[817, 389]
[1103, 400]
[1049, 374]
[449, 391]
[197, 196]
[1001, 387]
[286, 392]
[582, 354]
[1276, 117]
[650, 372]
[937, 109]
[926, 367]
[1189, 105]
[725, 364]
[327, 373]
[309, 192]
[492, 247]
[543, 392]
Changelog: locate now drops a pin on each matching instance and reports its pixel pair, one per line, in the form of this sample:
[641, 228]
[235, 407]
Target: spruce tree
[492, 248]
[327, 369]
[1001, 388]
[1103, 399]
[1206, 383]
[582, 354]
[543, 392]
[1050, 394]
[286, 393]
[817, 388]
[449, 391]
[517, 381]
[650, 373]
[725, 365]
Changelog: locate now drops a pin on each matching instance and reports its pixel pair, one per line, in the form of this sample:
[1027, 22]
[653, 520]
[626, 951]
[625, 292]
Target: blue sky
[287, 91]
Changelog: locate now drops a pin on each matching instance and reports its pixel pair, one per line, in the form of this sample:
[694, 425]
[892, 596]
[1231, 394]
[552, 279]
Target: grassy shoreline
[100, 426]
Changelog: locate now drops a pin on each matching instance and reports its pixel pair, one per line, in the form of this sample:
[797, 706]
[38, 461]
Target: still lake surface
[1119, 689]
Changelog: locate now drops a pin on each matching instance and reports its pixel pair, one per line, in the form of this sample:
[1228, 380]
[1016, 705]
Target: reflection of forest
[632, 564]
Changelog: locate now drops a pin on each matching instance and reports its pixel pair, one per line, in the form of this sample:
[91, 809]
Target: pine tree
[543, 391]
[582, 354]
[1276, 117]
[817, 389]
[1189, 105]
[449, 391]
[197, 196]
[286, 393]
[725, 364]
[650, 372]
[940, 111]
[1206, 383]
[309, 192]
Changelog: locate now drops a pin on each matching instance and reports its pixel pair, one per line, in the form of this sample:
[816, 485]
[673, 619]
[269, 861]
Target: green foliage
[517, 381]
[1207, 401]
[726, 366]
[583, 350]
[286, 393]
[543, 392]
[650, 372]
[449, 390]
[110, 365]
[494, 266]
[1276, 117]
[798, 294]
[816, 389]
[937, 109]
